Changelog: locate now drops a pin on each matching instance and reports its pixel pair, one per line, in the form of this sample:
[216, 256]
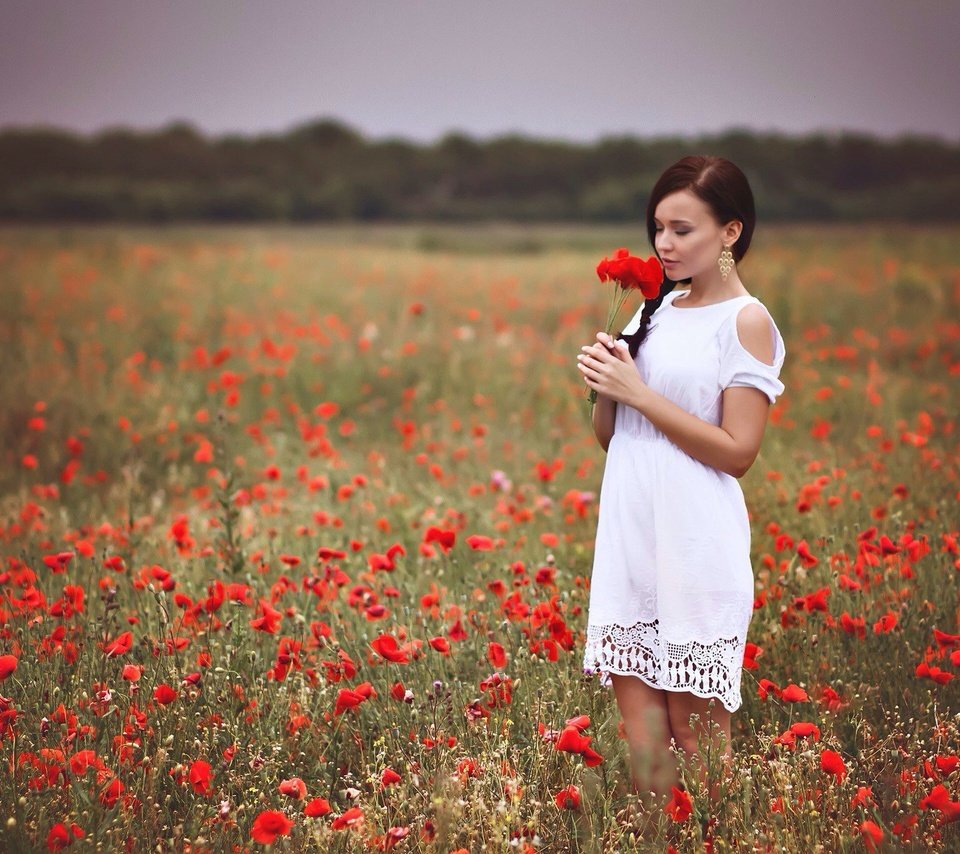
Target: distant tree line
[326, 171]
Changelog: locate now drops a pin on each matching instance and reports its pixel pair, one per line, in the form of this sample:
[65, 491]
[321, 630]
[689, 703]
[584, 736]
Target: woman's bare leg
[646, 724]
[713, 726]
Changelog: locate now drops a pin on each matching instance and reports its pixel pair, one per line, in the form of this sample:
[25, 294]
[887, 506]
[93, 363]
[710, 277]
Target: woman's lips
[667, 263]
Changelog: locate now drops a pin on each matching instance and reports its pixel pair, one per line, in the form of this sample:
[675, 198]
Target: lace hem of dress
[707, 669]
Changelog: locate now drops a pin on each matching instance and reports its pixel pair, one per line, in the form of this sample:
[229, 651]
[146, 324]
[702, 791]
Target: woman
[681, 410]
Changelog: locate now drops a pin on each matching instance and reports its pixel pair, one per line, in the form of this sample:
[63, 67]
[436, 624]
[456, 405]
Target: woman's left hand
[610, 370]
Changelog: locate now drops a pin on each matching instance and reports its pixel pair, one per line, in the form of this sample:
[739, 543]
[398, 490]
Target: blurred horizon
[327, 171]
[182, 124]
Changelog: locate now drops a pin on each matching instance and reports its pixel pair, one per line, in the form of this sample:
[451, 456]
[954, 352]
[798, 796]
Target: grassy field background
[297, 534]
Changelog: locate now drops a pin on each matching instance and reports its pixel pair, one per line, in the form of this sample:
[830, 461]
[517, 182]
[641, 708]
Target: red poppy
[571, 741]
[164, 694]
[496, 655]
[294, 788]
[347, 699]
[351, 817]
[58, 562]
[805, 729]
[830, 698]
[440, 644]
[832, 762]
[941, 677]
[269, 619]
[806, 557]
[568, 798]
[111, 792]
[59, 837]
[389, 777]
[794, 694]
[119, 645]
[268, 826]
[945, 639]
[200, 776]
[131, 672]
[631, 272]
[939, 799]
[316, 808]
[8, 663]
[386, 646]
[765, 687]
[679, 808]
[445, 539]
[885, 624]
[947, 764]
[872, 835]
[84, 759]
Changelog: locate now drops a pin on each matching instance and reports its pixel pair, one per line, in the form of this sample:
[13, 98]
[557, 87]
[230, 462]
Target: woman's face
[688, 239]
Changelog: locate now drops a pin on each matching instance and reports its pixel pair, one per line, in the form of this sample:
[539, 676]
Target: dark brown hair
[724, 189]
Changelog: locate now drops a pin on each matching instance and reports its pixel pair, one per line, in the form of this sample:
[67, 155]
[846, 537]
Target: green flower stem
[620, 295]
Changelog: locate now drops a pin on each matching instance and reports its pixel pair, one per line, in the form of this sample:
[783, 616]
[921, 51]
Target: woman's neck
[711, 288]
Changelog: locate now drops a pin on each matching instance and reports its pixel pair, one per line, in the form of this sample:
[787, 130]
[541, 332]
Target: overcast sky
[572, 70]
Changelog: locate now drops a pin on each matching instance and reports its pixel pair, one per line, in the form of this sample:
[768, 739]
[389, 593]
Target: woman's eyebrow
[675, 221]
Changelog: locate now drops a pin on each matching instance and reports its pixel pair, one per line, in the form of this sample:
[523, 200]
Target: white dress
[672, 592]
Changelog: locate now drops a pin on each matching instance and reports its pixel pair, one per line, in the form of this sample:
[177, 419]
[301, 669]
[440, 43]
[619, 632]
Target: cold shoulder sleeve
[739, 367]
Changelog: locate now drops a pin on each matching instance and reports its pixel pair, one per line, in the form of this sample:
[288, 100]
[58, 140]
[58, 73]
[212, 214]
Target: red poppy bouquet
[628, 273]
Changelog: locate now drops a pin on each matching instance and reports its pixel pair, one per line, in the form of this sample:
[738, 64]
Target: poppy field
[297, 532]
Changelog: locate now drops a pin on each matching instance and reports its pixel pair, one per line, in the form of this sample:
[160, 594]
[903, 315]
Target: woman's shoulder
[748, 326]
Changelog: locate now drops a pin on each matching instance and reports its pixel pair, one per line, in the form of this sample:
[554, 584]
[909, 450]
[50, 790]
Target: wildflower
[269, 619]
[200, 776]
[316, 808]
[440, 644]
[350, 818]
[268, 826]
[8, 663]
[679, 808]
[386, 646]
[885, 624]
[164, 694]
[389, 777]
[131, 672]
[832, 763]
[59, 837]
[794, 694]
[294, 788]
[120, 645]
[872, 835]
[568, 798]
[496, 655]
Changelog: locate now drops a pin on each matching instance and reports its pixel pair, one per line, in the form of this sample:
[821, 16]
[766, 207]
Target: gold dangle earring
[726, 262]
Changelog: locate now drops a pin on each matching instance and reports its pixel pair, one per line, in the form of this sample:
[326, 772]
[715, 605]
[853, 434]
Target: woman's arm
[731, 447]
[604, 413]
[604, 416]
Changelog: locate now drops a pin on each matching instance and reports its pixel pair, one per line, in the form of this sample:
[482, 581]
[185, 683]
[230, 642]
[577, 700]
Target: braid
[635, 339]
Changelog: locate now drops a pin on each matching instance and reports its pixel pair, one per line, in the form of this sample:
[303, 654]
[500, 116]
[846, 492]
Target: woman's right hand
[604, 410]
